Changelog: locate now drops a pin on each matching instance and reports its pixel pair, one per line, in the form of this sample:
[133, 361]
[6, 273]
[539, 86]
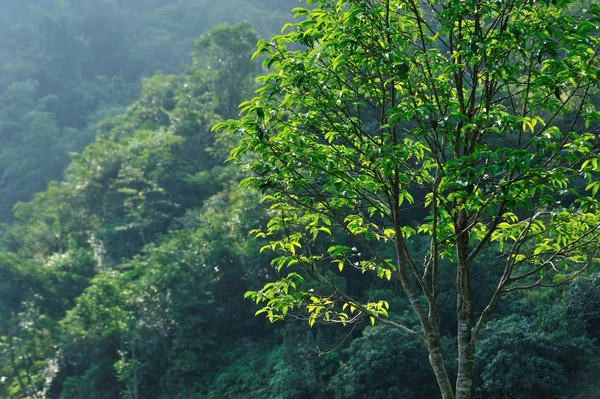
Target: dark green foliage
[125, 279]
[383, 363]
[170, 304]
[155, 167]
[64, 66]
[519, 358]
[582, 303]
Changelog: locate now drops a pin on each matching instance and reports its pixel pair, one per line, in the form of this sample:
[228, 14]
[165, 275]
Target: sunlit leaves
[379, 112]
[278, 297]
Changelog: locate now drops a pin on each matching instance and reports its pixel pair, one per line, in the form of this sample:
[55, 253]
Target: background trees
[106, 305]
[63, 70]
[126, 278]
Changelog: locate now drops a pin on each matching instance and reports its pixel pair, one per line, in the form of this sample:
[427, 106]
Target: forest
[299, 199]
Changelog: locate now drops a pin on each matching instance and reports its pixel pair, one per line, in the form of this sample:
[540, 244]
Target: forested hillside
[67, 65]
[132, 260]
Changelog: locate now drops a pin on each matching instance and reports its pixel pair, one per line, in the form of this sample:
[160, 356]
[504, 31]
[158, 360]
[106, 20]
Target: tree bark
[464, 312]
[434, 344]
[436, 360]
[466, 360]
[428, 320]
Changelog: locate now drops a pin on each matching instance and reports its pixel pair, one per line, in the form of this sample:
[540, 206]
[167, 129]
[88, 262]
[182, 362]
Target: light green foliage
[126, 278]
[376, 108]
[100, 310]
[161, 307]
[318, 156]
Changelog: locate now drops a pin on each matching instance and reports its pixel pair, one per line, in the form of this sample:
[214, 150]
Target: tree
[466, 122]
[219, 55]
[67, 65]
[411, 378]
[523, 360]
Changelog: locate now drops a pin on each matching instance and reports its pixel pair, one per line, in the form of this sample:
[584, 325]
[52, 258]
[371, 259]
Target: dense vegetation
[66, 65]
[125, 275]
[408, 140]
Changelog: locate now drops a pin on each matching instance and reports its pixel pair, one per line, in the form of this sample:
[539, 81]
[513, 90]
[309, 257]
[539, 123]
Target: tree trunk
[464, 312]
[466, 360]
[436, 360]
[428, 321]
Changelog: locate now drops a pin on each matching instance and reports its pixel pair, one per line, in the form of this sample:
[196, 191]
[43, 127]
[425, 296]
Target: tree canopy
[405, 138]
[67, 65]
